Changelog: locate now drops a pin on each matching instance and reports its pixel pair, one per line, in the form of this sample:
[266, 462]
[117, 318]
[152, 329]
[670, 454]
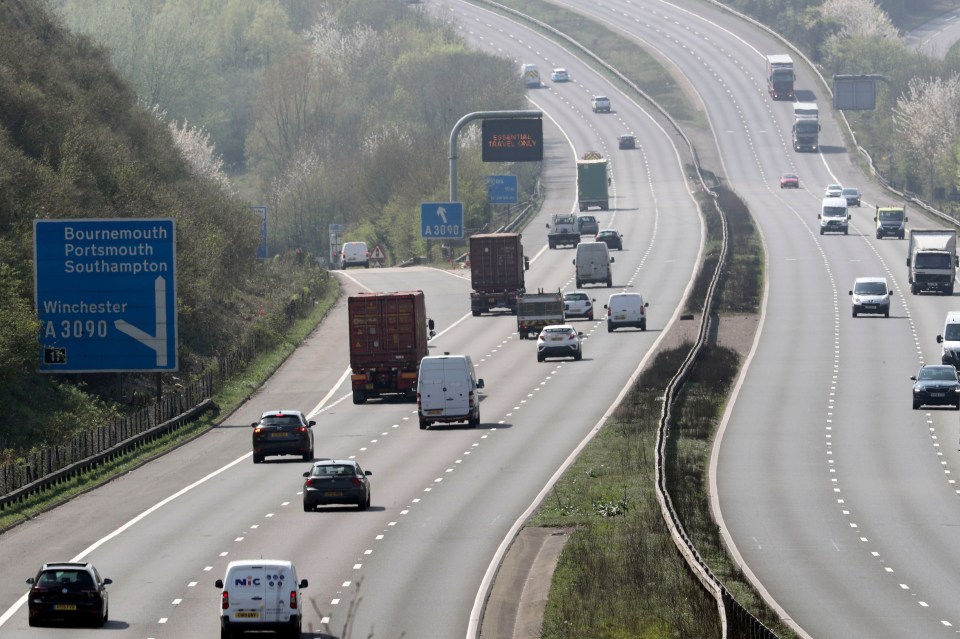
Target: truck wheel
[474, 421]
[643, 325]
[879, 236]
[579, 283]
[257, 458]
[359, 397]
[523, 334]
[821, 230]
[609, 327]
[914, 289]
[609, 282]
[552, 245]
[539, 357]
[950, 290]
[901, 235]
[844, 231]
[916, 405]
[475, 311]
[886, 312]
[424, 424]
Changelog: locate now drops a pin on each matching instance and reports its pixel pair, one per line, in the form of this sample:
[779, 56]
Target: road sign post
[105, 292]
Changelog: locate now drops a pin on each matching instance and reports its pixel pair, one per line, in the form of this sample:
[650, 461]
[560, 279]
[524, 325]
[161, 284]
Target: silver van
[447, 390]
[261, 594]
[593, 264]
[834, 215]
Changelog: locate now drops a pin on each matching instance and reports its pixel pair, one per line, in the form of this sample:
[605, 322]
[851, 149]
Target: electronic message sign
[105, 292]
[513, 140]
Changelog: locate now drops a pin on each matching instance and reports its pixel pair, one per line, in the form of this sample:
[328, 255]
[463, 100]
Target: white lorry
[530, 76]
[806, 126]
[563, 230]
[932, 260]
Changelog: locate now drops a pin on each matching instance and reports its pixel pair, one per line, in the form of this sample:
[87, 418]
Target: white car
[601, 104]
[833, 190]
[559, 340]
[560, 75]
[577, 304]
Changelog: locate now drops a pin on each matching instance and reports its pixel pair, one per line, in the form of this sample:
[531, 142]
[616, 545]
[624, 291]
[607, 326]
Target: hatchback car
[626, 141]
[560, 75]
[871, 295]
[936, 385]
[610, 237]
[559, 340]
[577, 304]
[833, 190]
[852, 195]
[587, 225]
[789, 181]
[282, 432]
[336, 481]
[68, 591]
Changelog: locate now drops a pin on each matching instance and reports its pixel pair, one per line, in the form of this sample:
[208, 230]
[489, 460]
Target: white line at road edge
[22, 600]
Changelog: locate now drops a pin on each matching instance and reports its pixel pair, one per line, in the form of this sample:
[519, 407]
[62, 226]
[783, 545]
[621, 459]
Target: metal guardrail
[735, 620]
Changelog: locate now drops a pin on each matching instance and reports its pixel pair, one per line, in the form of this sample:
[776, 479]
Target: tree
[928, 120]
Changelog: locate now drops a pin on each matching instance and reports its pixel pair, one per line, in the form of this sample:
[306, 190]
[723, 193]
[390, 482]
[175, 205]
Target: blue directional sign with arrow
[441, 220]
[106, 295]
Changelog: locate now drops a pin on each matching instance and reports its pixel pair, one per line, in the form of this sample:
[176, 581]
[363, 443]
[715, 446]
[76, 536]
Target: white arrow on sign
[156, 342]
[442, 212]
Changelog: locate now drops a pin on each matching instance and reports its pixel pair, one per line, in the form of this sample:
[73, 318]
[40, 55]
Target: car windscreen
[940, 373]
[952, 333]
[834, 211]
[890, 216]
[870, 288]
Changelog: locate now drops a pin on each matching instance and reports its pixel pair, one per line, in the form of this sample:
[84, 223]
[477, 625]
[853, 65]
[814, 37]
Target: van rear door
[247, 588]
[457, 387]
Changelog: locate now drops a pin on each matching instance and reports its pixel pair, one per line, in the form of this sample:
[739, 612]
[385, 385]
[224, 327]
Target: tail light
[257, 430]
[309, 482]
[225, 600]
[293, 600]
[357, 483]
[470, 399]
[418, 401]
[301, 429]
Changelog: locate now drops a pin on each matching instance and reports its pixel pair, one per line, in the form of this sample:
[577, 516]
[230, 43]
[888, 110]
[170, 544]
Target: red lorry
[497, 268]
[388, 338]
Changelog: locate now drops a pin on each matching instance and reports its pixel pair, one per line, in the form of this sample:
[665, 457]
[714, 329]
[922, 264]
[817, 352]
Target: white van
[593, 264]
[950, 339]
[354, 254]
[626, 309]
[447, 388]
[261, 594]
[834, 215]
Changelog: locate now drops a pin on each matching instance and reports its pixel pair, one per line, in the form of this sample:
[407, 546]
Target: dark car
[282, 432]
[627, 141]
[789, 181]
[336, 481]
[852, 195]
[587, 225]
[68, 591]
[936, 385]
[610, 237]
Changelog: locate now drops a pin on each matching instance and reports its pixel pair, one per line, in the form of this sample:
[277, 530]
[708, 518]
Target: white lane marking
[149, 511]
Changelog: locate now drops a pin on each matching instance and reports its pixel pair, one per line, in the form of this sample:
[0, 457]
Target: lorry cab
[448, 390]
[834, 215]
[260, 594]
[593, 264]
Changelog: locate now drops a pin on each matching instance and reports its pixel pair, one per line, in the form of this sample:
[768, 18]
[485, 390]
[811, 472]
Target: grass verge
[620, 574]
[231, 396]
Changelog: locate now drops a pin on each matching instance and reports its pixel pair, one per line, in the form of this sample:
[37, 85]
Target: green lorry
[592, 184]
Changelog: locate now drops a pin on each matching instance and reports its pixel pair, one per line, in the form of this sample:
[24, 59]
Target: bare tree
[928, 120]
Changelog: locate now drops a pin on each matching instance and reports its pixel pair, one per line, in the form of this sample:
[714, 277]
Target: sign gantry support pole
[478, 115]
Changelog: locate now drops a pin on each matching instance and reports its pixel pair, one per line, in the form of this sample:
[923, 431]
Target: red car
[789, 181]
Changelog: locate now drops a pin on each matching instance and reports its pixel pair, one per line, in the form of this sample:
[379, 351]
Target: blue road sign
[502, 189]
[106, 295]
[261, 212]
[441, 220]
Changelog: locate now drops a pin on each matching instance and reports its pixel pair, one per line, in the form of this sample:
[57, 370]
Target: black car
[336, 481]
[936, 385]
[282, 432]
[68, 591]
[611, 238]
[626, 141]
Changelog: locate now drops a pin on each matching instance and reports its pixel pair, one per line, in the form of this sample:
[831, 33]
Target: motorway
[837, 499]
[445, 502]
